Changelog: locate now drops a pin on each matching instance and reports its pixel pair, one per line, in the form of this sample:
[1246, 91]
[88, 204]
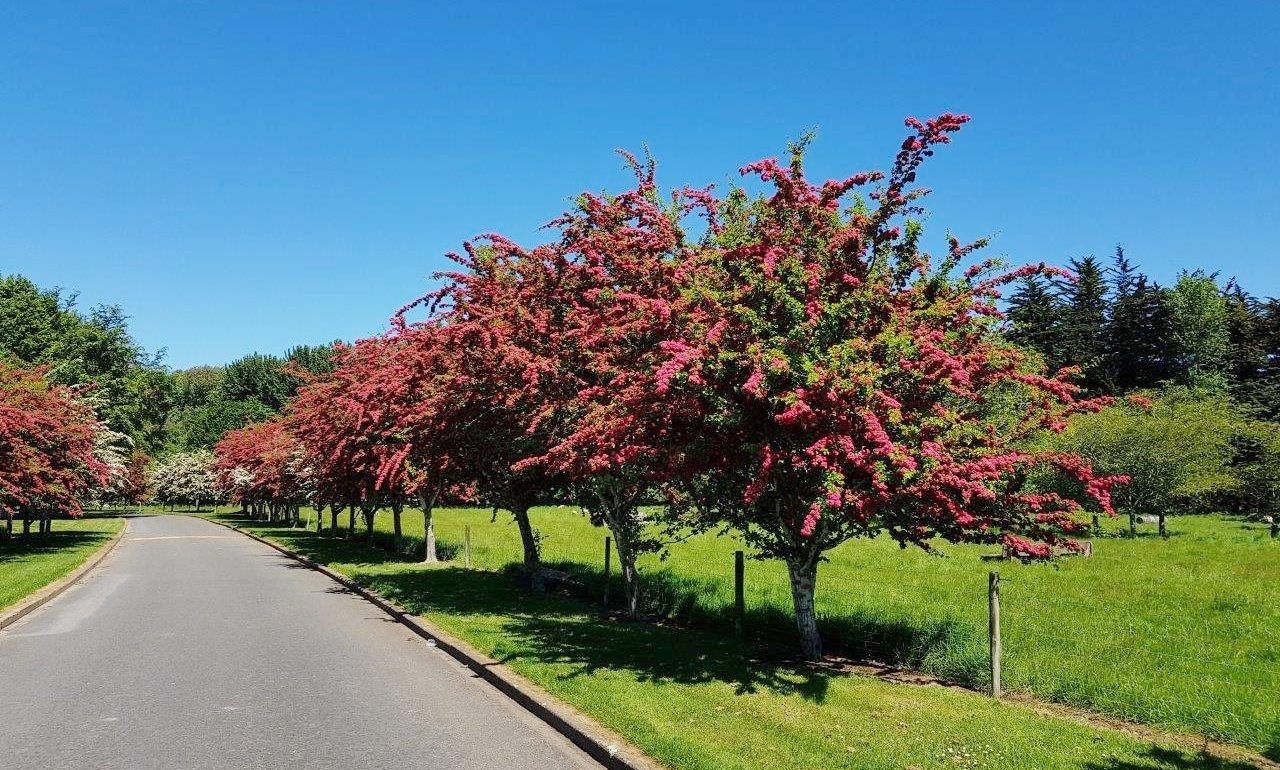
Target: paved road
[192, 646]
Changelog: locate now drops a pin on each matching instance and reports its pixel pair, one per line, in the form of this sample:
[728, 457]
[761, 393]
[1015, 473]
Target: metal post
[993, 603]
[466, 546]
[739, 598]
[608, 548]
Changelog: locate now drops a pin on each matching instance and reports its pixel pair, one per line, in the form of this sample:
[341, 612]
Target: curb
[599, 742]
[53, 590]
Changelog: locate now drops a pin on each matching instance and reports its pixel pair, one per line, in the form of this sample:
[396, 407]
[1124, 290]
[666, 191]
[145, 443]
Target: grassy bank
[698, 700]
[1181, 633]
[31, 563]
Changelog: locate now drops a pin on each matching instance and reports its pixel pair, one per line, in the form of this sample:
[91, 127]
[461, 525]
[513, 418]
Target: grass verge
[31, 563]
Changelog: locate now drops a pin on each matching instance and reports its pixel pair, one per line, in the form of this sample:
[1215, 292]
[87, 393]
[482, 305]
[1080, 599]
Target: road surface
[192, 646]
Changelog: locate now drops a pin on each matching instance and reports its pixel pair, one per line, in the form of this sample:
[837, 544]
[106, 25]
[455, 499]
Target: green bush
[1177, 452]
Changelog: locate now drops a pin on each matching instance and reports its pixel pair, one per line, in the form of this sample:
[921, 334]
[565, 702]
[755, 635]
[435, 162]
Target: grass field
[1181, 633]
[27, 565]
[697, 699]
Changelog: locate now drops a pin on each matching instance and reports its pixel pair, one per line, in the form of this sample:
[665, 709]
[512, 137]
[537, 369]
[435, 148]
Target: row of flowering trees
[789, 365]
[54, 451]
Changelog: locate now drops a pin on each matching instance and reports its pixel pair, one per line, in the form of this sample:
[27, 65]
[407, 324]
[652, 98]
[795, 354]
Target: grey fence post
[608, 548]
[739, 597]
[993, 606]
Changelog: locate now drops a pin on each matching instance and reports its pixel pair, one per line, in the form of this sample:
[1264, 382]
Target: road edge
[52, 591]
[599, 742]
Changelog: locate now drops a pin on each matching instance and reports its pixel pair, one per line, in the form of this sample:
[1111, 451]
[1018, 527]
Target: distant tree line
[150, 408]
[1126, 332]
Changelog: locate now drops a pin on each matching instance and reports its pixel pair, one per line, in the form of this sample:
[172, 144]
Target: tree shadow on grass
[686, 642]
[947, 647]
[33, 544]
[1159, 758]
[560, 631]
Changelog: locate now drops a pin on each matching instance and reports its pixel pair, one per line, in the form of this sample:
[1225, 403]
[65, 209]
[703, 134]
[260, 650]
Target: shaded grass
[1181, 633]
[31, 563]
[698, 700]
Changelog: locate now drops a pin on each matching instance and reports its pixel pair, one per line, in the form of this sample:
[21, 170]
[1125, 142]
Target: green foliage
[1176, 451]
[260, 378]
[1254, 330]
[200, 426]
[1137, 330]
[1257, 466]
[1200, 339]
[313, 359]
[44, 327]
[1035, 318]
[1083, 320]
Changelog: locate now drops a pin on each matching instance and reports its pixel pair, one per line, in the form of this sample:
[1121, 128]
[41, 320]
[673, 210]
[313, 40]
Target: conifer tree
[1035, 319]
[1084, 318]
[1136, 337]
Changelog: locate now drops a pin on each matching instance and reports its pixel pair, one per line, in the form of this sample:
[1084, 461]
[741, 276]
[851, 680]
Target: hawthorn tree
[48, 448]
[336, 419]
[822, 379]
[485, 417]
[590, 307]
[263, 467]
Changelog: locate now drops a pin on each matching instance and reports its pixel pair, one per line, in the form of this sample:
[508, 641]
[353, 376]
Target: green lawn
[1183, 633]
[29, 564]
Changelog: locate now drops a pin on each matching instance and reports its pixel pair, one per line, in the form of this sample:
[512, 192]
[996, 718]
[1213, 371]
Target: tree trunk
[429, 555]
[351, 521]
[529, 541]
[1275, 526]
[26, 523]
[334, 510]
[1133, 523]
[630, 577]
[1163, 532]
[623, 521]
[804, 579]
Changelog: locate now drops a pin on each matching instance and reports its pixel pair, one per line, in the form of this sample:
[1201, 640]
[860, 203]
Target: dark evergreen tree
[1136, 338]
[1254, 329]
[1034, 319]
[1084, 321]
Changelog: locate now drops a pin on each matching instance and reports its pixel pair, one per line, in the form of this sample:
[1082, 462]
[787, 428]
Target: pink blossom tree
[822, 378]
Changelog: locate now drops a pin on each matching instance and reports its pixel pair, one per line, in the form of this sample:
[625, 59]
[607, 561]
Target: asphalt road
[192, 646]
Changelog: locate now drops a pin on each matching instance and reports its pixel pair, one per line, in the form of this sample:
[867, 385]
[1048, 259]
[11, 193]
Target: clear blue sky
[244, 177]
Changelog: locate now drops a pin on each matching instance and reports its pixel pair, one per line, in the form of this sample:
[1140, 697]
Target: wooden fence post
[739, 596]
[466, 546]
[993, 607]
[608, 547]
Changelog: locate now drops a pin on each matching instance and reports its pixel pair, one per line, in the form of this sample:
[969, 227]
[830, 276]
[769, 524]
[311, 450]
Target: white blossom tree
[185, 478]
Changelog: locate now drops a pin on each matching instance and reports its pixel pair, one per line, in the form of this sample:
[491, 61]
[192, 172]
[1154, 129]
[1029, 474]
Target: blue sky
[243, 177]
